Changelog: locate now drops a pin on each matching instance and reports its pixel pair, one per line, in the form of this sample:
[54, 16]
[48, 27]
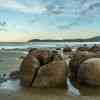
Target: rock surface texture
[85, 68]
[43, 69]
[89, 72]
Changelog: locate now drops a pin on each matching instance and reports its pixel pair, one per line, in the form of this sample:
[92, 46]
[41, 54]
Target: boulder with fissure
[42, 73]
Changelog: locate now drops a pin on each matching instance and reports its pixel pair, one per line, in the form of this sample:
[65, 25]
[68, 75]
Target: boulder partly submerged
[67, 49]
[14, 75]
[84, 48]
[95, 48]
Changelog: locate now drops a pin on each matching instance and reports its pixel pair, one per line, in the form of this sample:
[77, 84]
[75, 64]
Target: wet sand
[11, 90]
[22, 97]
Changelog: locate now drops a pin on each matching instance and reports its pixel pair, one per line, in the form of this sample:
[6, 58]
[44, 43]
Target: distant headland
[94, 39]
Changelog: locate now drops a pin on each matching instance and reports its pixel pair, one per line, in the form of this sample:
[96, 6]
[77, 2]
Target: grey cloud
[3, 23]
[3, 30]
[34, 19]
[95, 8]
[76, 9]
[55, 9]
[72, 8]
[3, 26]
[86, 15]
[91, 8]
[66, 27]
[54, 6]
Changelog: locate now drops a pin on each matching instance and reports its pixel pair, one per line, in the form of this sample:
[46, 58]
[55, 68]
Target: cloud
[63, 7]
[15, 5]
[3, 23]
[3, 30]
[3, 26]
[73, 8]
[94, 10]
[88, 11]
[67, 27]
[70, 8]
[78, 10]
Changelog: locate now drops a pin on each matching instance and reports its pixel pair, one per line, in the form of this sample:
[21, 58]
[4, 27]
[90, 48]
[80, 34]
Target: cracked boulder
[51, 75]
[28, 69]
[38, 72]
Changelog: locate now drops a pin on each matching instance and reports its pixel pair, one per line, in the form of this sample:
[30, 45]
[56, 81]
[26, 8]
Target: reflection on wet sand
[11, 85]
[14, 86]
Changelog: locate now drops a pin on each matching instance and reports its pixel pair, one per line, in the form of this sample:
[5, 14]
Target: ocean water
[25, 45]
[10, 60]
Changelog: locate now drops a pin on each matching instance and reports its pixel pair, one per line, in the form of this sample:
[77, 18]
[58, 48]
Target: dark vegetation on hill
[94, 39]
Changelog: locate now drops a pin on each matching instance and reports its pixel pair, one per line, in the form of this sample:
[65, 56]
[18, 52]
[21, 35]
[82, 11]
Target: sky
[22, 20]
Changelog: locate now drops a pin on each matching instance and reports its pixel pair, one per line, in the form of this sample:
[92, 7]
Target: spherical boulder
[77, 59]
[89, 72]
[52, 75]
[28, 69]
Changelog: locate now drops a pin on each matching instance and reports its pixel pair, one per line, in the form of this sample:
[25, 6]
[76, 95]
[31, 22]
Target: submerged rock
[95, 48]
[14, 75]
[83, 48]
[67, 49]
[3, 78]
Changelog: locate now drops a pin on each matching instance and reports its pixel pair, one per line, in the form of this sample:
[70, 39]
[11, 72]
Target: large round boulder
[77, 59]
[89, 72]
[51, 75]
[28, 69]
